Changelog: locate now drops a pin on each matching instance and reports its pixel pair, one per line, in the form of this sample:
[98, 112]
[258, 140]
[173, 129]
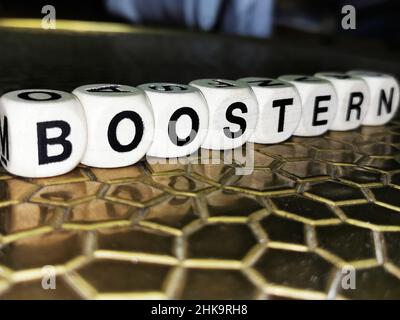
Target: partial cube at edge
[384, 96]
[43, 132]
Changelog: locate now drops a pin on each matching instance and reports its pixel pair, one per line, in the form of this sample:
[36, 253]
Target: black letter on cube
[234, 119]
[383, 100]
[355, 105]
[172, 126]
[112, 88]
[43, 141]
[112, 131]
[282, 103]
[50, 96]
[318, 110]
[167, 87]
[221, 84]
[266, 83]
[4, 141]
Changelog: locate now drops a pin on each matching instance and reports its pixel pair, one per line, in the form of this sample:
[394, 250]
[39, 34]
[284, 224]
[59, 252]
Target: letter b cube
[42, 133]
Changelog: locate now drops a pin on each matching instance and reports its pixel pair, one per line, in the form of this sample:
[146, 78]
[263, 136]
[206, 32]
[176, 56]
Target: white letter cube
[180, 117]
[43, 132]
[279, 109]
[384, 96]
[120, 124]
[233, 112]
[318, 102]
[353, 100]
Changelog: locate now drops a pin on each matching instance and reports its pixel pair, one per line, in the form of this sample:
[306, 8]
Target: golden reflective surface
[198, 231]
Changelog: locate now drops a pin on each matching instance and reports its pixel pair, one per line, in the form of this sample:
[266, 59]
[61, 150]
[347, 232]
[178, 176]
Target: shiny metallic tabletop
[313, 210]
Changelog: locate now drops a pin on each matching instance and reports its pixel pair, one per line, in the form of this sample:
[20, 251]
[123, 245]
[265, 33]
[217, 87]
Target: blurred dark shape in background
[245, 17]
[260, 18]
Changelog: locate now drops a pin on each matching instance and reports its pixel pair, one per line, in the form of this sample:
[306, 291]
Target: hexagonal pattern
[128, 276]
[335, 193]
[304, 209]
[225, 203]
[226, 244]
[225, 284]
[373, 283]
[296, 270]
[311, 209]
[350, 244]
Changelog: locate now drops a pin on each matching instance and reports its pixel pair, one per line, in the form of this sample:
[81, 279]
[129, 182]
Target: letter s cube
[233, 112]
[43, 132]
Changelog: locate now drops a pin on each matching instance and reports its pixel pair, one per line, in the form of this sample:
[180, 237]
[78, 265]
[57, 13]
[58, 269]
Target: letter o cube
[43, 132]
[120, 124]
[180, 117]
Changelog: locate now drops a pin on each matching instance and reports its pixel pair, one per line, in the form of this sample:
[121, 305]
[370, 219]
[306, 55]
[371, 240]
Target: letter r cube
[42, 132]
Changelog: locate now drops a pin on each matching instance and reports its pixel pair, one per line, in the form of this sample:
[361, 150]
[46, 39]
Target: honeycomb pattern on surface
[311, 207]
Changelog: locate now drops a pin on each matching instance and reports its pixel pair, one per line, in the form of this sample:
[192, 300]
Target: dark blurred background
[281, 36]
[375, 19]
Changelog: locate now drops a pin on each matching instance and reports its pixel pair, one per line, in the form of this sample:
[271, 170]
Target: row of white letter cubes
[48, 132]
